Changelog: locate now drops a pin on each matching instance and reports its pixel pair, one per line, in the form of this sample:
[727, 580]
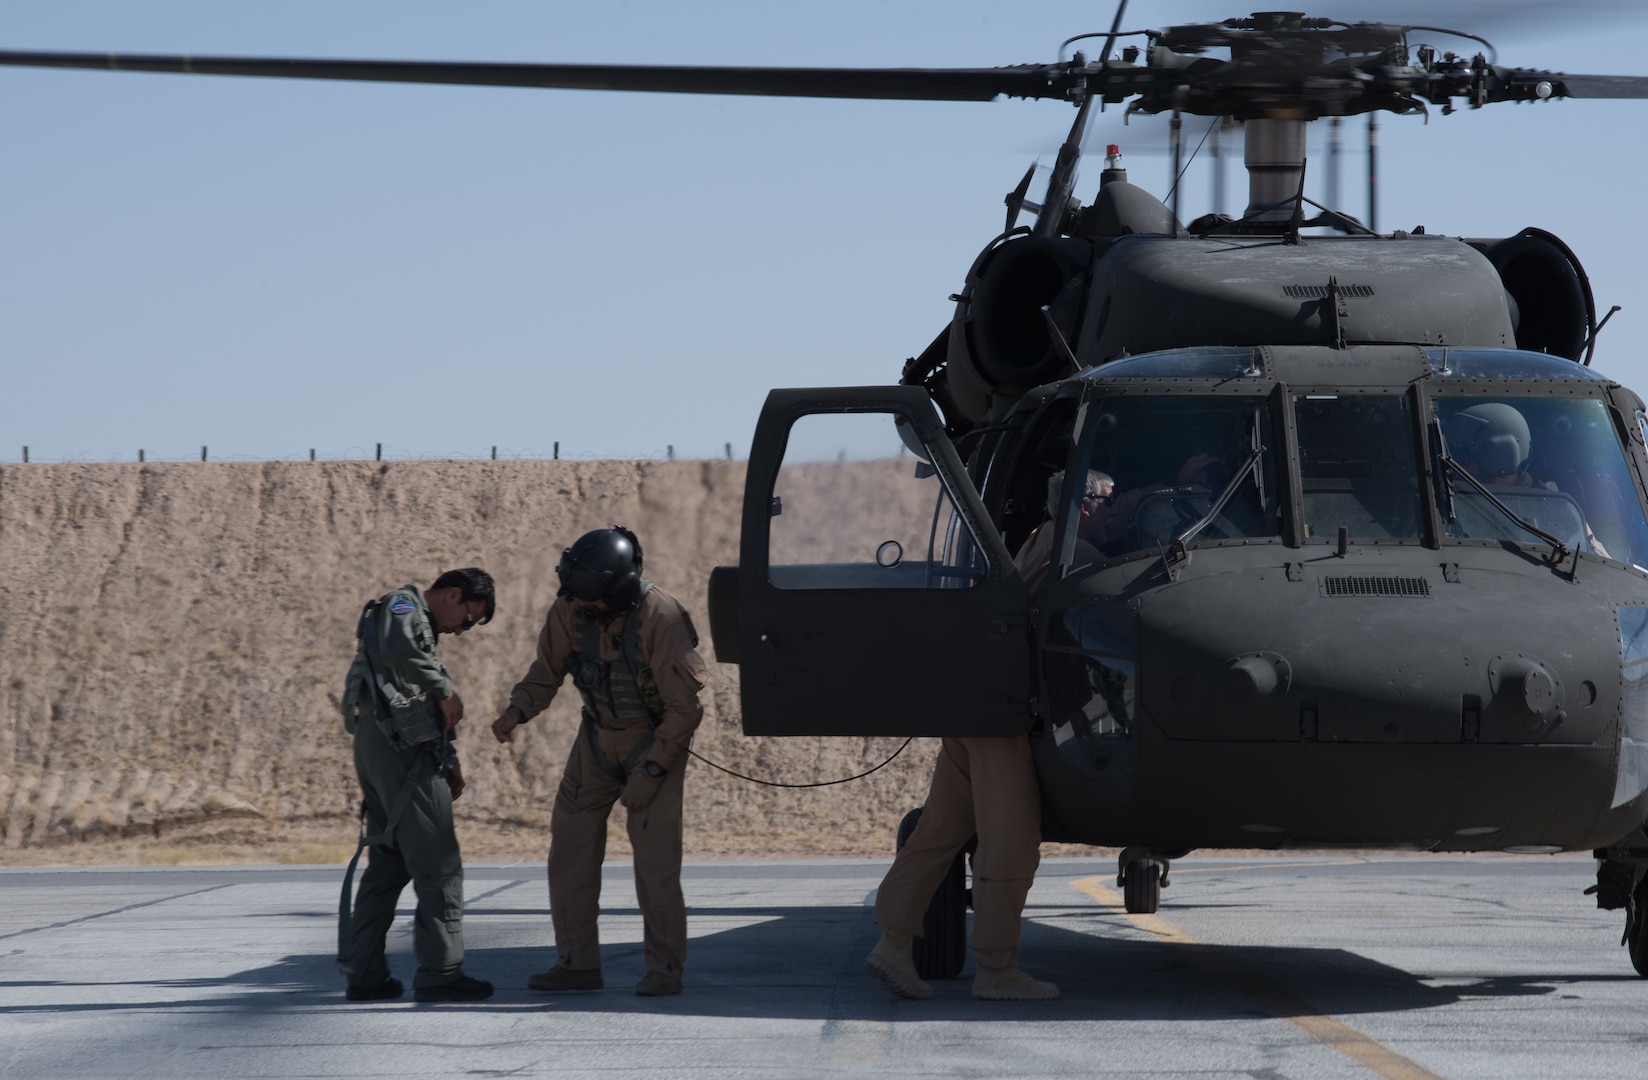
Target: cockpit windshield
[1162, 468]
[1166, 468]
[1358, 466]
[1554, 463]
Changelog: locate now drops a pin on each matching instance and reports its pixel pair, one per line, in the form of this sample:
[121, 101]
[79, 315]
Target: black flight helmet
[603, 565]
[1497, 438]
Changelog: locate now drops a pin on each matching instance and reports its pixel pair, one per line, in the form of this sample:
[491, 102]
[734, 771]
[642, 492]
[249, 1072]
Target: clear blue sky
[265, 266]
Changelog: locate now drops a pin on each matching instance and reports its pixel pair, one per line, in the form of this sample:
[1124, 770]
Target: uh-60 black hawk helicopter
[1350, 542]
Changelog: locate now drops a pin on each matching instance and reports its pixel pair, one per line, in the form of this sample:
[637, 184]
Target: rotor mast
[1274, 154]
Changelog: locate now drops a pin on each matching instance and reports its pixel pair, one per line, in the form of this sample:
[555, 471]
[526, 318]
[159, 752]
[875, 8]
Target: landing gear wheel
[1142, 887]
[941, 950]
[1636, 931]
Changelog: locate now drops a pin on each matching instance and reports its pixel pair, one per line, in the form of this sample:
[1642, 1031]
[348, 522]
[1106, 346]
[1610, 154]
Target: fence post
[140, 456]
[557, 451]
[494, 453]
[25, 455]
[203, 453]
[380, 452]
[311, 453]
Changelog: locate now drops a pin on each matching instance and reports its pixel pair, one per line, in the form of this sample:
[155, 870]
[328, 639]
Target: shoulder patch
[403, 606]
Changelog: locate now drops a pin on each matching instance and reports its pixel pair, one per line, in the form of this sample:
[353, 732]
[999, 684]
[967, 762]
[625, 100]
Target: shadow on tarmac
[807, 963]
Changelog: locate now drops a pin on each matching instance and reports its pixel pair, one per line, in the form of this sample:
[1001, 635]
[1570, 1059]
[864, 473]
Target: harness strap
[618, 772]
[402, 799]
[623, 688]
[402, 723]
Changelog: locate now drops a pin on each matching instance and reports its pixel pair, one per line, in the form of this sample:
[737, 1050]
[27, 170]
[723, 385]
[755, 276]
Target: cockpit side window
[1159, 466]
[1045, 450]
[1358, 467]
[1556, 463]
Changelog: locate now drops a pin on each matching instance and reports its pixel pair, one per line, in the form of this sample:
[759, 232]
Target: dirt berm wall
[173, 639]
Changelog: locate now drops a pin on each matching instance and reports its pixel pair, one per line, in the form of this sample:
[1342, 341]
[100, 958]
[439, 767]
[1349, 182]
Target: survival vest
[623, 689]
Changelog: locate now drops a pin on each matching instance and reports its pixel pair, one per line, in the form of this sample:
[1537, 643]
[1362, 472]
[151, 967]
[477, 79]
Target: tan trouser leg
[985, 787]
[655, 835]
[945, 827]
[1007, 804]
[578, 843]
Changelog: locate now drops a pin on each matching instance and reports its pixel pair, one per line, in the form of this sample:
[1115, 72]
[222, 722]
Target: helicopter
[1370, 567]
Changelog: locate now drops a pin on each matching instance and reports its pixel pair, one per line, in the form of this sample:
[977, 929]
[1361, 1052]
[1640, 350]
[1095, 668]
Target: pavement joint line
[116, 911]
[493, 892]
[1334, 1034]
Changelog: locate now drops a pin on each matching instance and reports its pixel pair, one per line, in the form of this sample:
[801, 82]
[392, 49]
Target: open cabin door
[873, 596]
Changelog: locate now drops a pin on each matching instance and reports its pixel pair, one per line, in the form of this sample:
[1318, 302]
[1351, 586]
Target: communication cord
[821, 783]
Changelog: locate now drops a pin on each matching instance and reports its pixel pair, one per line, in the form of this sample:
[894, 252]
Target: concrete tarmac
[1279, 968]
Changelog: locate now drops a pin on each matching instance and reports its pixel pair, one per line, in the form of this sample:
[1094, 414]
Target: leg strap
[618, 772]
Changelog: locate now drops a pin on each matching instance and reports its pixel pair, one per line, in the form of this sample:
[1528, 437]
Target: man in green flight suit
[401, 708]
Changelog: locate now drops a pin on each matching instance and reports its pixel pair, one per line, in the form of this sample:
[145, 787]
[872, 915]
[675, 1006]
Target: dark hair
[475, 583]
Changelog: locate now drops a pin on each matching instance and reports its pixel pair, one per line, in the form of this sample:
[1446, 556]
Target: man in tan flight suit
[987, 788]
[631, 650]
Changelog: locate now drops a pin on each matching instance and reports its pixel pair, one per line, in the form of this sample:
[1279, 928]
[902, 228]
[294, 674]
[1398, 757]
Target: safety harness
[406, 723]
[625, 687]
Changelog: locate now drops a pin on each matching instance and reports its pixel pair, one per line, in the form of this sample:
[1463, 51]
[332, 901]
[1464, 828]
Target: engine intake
[1551, 302]
[1003, 347]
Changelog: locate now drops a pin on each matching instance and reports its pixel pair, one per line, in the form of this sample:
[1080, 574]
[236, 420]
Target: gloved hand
[642, 787]
[455, 779]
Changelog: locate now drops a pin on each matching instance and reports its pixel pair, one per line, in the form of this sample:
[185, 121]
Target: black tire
[1636, 935]
[941, 950]
[1142, 887]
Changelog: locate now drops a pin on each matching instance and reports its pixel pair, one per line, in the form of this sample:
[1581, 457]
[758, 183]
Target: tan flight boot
[565, 978]
[1011, 984]
[890, 961]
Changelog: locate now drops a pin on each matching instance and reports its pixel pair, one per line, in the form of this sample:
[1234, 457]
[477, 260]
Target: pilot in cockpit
[1495, 444]
[1097, 511]
[1107, 517]
[1492, 442]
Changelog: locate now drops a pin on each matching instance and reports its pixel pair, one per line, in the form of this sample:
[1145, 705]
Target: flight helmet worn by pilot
[1494, 442]
[604, 564]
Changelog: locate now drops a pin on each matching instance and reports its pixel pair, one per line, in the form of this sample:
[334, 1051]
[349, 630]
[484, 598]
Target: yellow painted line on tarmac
[1334, 1034]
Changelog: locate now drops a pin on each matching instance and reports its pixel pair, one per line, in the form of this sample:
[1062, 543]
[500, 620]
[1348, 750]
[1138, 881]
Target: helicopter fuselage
[1400, 683]
[1368, 572]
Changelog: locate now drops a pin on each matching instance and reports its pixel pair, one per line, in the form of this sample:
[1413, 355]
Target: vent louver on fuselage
[1320, 292]
[1376, 586]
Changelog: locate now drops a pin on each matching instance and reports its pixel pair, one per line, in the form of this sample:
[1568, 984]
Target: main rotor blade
[913, 84]
[1602, 86]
